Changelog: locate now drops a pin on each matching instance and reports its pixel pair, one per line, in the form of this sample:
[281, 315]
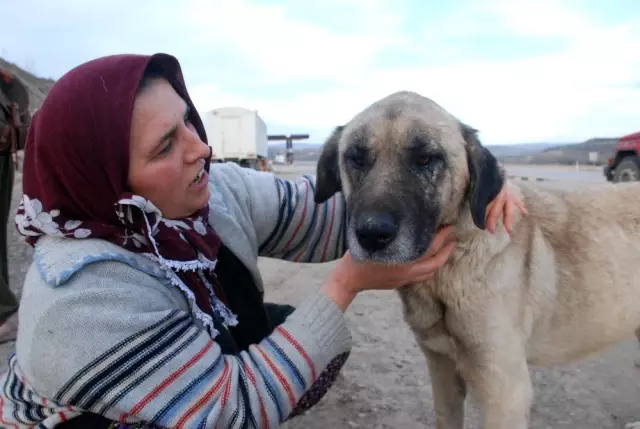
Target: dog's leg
[498, 374]
[449, 390]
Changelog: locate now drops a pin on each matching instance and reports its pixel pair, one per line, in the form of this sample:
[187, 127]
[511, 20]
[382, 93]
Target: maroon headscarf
[75, 177]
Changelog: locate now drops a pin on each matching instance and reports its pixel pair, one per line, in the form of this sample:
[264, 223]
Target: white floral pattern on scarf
[36, 218]
[33, 221]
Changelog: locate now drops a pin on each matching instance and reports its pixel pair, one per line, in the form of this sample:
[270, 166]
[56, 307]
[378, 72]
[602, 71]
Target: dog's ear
[485, 178]
[328, 168]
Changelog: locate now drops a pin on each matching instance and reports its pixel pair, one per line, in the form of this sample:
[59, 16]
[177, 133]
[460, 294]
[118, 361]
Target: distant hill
[501, 151]
[525, 153]
[37, 86]
[567, 154]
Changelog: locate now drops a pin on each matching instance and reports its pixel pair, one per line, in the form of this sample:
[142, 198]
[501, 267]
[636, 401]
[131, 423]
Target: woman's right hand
[350, 277]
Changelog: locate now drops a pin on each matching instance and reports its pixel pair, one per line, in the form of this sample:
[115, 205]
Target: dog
[565, 284]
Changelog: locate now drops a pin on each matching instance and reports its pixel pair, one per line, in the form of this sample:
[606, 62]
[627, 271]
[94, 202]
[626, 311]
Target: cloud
[518, 71]
[585, 88]
[583, 84]
[284, 47]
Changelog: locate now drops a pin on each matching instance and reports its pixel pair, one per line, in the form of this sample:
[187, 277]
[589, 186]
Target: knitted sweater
[102, 329]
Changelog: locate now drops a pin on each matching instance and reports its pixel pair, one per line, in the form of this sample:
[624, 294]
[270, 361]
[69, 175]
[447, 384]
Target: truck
[624, 164]
[239, 135]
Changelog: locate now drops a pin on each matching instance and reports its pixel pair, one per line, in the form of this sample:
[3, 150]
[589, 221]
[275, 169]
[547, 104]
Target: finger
[519, 203]
[490, 206]
[440, 258]
[425, 277]
[496, 211]
[497, 207]
[433, 263]
[509, 214]
[439, 239]
[521, 206]
[437, 242]
[492, 203]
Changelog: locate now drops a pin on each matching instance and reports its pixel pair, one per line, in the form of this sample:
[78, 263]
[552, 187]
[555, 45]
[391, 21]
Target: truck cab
[624, 165]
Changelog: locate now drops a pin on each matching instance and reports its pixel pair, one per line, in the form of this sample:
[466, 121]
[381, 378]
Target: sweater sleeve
[136, 356]
[305, 231]
[288, 222]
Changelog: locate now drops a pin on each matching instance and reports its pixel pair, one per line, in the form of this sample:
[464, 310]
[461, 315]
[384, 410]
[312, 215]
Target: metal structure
[289, 142]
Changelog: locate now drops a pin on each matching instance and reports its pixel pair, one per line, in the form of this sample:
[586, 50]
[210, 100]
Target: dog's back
[591, 296]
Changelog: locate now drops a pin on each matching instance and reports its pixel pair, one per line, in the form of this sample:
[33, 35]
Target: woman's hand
[504, 205]
[350, 277]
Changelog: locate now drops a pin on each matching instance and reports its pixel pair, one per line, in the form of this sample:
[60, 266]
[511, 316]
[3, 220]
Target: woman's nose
[197, 148]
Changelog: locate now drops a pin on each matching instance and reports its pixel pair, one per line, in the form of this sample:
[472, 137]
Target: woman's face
[167, 157]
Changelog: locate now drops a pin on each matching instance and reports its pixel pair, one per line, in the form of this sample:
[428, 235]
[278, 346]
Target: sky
[518, 71]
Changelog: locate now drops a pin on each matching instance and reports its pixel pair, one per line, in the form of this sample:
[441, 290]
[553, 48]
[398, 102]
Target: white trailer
[238, 135]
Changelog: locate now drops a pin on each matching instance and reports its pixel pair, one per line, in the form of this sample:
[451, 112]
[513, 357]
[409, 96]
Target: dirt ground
[385, 383]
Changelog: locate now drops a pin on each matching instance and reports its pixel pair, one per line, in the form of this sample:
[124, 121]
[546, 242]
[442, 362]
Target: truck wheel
[627, 171]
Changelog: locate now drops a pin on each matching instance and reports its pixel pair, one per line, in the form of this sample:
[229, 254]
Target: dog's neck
[468, 234]
[465, 225]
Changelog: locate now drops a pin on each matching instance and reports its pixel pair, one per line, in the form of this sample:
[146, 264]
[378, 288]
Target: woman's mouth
[199, 177]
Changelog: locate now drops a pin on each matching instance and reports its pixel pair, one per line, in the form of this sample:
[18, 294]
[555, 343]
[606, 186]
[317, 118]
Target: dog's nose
[374, 232]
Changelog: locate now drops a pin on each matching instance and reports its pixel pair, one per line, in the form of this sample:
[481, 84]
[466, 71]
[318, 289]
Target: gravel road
[385, 383]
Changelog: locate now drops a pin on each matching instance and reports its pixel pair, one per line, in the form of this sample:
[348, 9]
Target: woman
[144, 303]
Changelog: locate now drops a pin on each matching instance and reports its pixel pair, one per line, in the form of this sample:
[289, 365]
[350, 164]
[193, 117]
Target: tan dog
[566, 283]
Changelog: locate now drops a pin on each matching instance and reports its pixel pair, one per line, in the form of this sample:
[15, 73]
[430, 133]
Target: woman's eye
[166, 147]
[187, 115]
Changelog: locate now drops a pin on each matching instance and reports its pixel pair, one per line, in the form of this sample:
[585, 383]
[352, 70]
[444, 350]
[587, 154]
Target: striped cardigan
[103, 330]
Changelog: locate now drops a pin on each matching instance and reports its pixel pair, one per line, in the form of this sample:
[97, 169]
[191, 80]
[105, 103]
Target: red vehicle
[624, 165]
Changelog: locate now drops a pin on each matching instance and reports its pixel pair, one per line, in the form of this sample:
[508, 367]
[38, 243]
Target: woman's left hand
[503, 206]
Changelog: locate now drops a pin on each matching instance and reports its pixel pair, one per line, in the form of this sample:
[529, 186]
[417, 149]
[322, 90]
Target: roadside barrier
[527, 178]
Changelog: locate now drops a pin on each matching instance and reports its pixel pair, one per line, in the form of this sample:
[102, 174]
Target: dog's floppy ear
[328, 169]
[485, 178]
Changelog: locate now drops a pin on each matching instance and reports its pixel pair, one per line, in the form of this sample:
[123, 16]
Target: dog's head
[406, 167]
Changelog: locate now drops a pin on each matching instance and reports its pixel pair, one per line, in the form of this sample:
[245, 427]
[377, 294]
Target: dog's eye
[357, 158]
[423, 160]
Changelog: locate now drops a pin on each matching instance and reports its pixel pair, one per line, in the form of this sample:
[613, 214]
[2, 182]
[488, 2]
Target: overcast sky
[519, 71]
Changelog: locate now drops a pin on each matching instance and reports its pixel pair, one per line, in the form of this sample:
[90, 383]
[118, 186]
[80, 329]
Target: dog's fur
[566, 283]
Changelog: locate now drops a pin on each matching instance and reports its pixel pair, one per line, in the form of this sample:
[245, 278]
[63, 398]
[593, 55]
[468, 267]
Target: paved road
[385, 383]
